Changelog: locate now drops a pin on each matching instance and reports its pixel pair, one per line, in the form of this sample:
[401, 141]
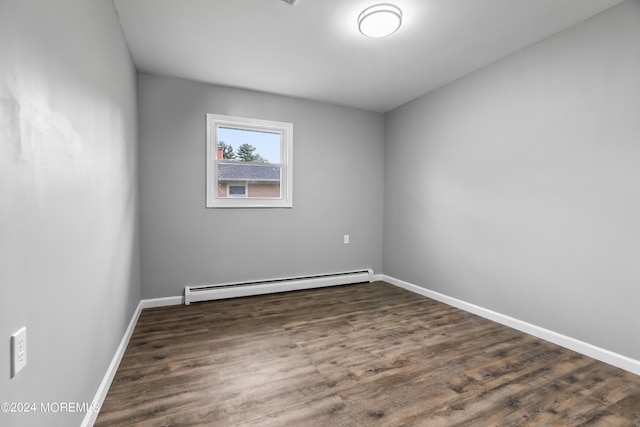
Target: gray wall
[337, 190]
[517, 188]
[69, 267]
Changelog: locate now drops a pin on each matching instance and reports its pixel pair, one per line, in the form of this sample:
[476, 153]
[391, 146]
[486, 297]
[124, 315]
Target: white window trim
[286, 152]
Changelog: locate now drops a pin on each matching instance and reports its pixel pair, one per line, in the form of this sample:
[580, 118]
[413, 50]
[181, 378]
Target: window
[236, 190]
[249, 162]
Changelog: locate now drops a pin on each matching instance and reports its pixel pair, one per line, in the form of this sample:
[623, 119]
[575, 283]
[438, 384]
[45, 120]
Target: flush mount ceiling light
[380, 20]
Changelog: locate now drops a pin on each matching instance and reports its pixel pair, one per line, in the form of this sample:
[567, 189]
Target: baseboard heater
[243, 289]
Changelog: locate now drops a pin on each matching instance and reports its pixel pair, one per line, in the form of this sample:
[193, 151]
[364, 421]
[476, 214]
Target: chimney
[220, 155]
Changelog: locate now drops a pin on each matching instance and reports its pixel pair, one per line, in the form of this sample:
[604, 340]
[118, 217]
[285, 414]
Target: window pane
[263, 179]
[236, 190]
[246, 145]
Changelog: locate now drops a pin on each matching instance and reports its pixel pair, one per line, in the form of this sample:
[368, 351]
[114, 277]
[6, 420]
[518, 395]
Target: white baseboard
[98, 400]
[91, 416]
[162, 302]
[603, 355]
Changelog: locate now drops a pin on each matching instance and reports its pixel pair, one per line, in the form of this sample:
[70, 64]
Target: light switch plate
[18, 351]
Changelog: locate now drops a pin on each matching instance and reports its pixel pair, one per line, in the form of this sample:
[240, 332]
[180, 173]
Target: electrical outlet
[18, 351]
[346, 239]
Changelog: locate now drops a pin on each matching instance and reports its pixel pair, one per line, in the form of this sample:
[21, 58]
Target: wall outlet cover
[18, 351]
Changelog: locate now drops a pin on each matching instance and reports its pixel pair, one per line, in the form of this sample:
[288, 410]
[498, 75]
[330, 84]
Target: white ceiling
[313, 49]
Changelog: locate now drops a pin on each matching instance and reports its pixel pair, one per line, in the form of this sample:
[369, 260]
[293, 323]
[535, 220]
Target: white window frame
[214, 121]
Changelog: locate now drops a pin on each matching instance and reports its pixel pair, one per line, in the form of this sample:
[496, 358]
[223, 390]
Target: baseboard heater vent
[233, 290]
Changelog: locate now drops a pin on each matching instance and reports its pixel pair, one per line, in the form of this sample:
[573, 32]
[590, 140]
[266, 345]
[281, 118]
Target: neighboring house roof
[248, 172]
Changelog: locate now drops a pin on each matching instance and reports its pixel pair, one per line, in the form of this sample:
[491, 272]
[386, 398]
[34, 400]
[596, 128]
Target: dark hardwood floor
[357, 355]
